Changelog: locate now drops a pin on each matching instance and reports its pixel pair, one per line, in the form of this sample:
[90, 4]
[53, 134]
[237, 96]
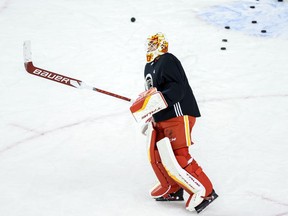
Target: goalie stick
[30, 68]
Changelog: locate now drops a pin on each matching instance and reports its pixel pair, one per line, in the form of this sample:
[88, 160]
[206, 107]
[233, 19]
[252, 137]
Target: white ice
[65, 151]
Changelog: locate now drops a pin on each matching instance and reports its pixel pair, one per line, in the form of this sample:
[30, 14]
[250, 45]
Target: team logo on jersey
[149, 81]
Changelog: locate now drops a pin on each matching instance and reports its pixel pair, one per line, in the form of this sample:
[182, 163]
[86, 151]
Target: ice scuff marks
[3, 5]
[258, 18]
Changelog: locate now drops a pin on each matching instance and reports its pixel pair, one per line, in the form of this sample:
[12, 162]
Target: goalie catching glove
[147, 104]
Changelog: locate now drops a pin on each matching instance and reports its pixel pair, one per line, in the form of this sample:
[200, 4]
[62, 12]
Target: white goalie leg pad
[178, 174]
[149, 139]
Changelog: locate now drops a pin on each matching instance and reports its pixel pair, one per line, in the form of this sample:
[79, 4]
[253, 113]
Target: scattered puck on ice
[223, 48]
[263, 31]
[224, 40]
[252, 7]
[280, 0]
[254, 21]
[133, 19]
[227, 27]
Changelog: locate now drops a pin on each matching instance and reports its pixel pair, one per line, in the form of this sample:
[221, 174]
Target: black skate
[206, 202]
[177, 196]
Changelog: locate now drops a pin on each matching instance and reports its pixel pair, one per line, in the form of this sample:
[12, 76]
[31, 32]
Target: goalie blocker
[147, 104]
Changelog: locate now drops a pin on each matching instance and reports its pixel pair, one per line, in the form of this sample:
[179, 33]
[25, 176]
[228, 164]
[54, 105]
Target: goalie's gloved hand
[144, 128]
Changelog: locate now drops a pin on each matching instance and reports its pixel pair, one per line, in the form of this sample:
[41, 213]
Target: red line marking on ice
[39, 134]
[243, 98]
[87, 120]
[26, 129]
[282, 214]
[269, 199]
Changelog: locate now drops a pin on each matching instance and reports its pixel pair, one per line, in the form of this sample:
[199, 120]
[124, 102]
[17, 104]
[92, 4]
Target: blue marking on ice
[270, 15]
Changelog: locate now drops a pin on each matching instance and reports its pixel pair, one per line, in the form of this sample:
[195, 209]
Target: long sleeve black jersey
[168, 76]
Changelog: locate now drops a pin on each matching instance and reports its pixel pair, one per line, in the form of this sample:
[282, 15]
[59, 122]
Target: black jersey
[168, 76]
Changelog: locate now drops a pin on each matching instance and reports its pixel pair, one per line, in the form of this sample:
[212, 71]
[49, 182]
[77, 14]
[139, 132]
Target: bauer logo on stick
[52, 76]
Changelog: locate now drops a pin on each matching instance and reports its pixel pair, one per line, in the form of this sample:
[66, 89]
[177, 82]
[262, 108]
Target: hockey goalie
[168, 111]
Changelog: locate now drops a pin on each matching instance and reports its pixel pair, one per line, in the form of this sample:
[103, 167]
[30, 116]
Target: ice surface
[65, 151]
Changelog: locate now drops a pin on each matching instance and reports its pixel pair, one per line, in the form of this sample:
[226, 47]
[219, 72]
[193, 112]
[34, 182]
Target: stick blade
[27, 54]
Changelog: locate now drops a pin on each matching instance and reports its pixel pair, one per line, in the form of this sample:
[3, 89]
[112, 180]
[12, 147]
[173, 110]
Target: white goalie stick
[30, 68]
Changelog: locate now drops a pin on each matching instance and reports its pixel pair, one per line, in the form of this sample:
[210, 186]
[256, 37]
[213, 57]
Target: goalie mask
[156, 45]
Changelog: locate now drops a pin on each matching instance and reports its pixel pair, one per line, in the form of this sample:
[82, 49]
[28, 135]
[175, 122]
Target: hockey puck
[252, 7]
[133, 19]
[263, 31]
[223, 48]
[224, 40]
[227, 27]
[280, 0]
[254, 21]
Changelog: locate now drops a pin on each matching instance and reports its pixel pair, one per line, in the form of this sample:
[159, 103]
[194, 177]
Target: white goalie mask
[156, 45]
